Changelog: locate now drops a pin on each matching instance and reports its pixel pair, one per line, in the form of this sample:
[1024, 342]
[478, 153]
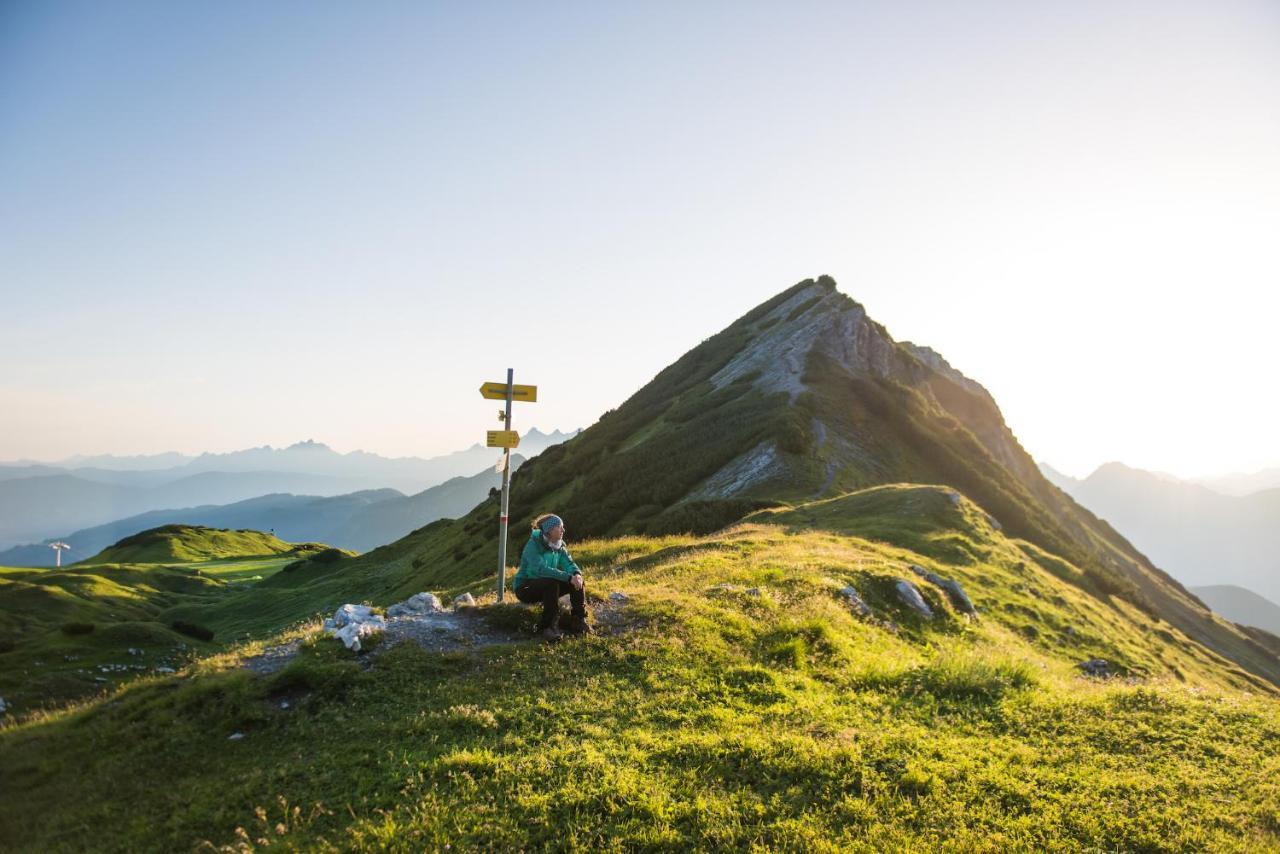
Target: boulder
[348, 614]
[949, 586]
[352, 622]
[850, 593]
[417, 604]
[911, 597]
[465, 600]
[1095, 667]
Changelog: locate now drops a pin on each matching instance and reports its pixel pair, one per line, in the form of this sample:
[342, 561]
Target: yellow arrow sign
[498, 391]
[502, 438]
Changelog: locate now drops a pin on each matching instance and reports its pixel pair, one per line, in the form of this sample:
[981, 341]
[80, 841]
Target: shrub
[193, 630]
[77, 628]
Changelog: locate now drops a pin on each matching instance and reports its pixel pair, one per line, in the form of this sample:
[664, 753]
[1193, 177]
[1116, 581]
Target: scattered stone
[753, 591]
[418, 603]
[911, 597]
[955, 498]
[99, 679]
[1095, 667]
[235, 736]
[284, 704]
[721, 588]
[165, 670]
[133, 650]
[994, 522]
[70, 658]
[1071, 630]
[850, 593]
[466, 600]
[4, 707]
[618, 597]
[949, 586]
[352, 622]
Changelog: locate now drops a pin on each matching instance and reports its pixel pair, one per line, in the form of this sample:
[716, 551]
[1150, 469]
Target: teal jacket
[539, 560]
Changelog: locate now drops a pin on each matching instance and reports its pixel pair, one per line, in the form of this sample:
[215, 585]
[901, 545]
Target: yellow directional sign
[498, 391]
[502, 438]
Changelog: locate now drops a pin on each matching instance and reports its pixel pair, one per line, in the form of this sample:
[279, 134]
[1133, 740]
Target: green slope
[765, 713]
[59, 629]
[191, 543]
[803, 397]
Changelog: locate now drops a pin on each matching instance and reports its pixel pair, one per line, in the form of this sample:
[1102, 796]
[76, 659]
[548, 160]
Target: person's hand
[576, 581]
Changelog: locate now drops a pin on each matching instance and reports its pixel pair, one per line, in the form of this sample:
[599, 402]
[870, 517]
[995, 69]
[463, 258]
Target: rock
[994, 522]
[911, 597]
[284, 704]
[235, 736]
[1095, 667]
[949, 586]
[349, 613]
[1071, 630]
[721, 588]
[418, 603]
[753, 591]
[618, 597]
[4, 707]
[135, 651]
[165, 670]
[855, 601]
[955, 498]
[352, 622]
[466, 600]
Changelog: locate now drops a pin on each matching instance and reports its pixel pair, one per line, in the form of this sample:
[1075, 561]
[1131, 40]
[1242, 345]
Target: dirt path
[443, 631]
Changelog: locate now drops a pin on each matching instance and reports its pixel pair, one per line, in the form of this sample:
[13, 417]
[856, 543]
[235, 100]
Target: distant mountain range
[1241, 606]
[39, 501]
[358, 521]
[1201, 536]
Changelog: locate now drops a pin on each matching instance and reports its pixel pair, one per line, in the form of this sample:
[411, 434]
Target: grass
[745, 706]
[191, 543]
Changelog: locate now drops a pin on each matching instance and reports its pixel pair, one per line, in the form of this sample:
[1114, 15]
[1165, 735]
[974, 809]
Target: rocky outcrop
[955, 593]
[353, 623]
[911, 597]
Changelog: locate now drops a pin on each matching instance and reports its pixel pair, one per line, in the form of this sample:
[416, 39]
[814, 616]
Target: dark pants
[548, 591]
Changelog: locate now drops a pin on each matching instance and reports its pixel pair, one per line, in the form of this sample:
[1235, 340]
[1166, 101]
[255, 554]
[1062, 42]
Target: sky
[231, 224]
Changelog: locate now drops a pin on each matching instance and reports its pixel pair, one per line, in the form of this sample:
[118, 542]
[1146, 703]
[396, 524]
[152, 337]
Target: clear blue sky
[227, 224]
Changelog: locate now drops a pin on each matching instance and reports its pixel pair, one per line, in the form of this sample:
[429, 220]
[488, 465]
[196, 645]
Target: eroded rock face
[911, 597]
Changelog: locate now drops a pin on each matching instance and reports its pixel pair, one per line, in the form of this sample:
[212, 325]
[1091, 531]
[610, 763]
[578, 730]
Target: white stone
[165, 670]
[351, 614]
[465, 600]
[235, 736]
[617, 596]
[911, 597]
[3, 706]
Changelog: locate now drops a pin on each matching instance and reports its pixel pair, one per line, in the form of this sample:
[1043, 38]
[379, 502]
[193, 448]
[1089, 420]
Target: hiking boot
[550, 634]
[578, 626]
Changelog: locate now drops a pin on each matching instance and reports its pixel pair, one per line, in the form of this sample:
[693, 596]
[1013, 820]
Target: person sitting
[546, 573]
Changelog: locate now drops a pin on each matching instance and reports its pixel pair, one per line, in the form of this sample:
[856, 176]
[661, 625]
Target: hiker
[547, 573]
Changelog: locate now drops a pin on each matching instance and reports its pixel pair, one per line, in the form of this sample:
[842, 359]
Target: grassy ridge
[720, 717]
[193, 543]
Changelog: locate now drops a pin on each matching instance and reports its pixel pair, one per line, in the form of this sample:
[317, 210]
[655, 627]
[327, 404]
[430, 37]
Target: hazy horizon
[232, 225]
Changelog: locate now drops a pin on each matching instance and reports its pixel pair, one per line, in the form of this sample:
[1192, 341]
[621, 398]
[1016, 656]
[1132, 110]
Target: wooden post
[506, 492]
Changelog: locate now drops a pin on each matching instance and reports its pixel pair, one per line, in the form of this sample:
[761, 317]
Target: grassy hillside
[69, 632]
[190, 543]
[738, 701]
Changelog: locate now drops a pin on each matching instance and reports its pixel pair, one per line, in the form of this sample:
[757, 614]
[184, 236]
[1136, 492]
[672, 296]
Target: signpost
[505, 439]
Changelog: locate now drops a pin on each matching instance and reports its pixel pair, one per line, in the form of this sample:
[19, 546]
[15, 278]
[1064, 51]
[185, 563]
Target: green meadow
[734, 699]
